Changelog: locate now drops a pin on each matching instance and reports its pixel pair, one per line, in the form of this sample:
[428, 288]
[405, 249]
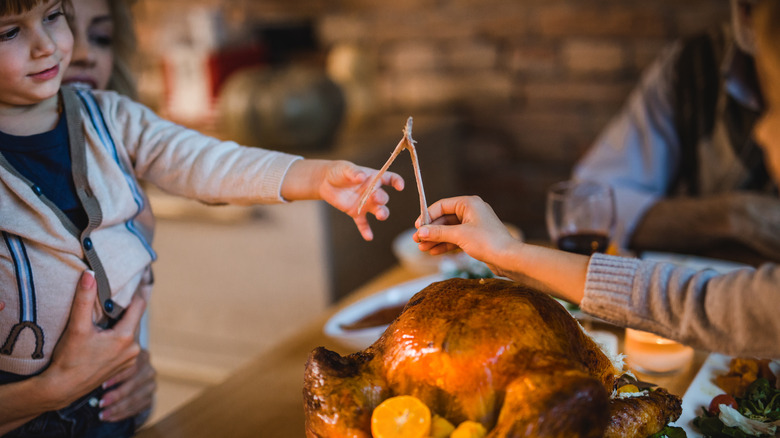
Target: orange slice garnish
[403, 416]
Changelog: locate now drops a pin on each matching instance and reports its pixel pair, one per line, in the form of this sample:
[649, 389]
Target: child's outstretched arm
[340, 184]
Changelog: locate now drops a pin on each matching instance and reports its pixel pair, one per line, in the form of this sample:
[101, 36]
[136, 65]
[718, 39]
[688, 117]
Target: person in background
[687, 173]
[698, 308]
[70, 164]
[103, 47]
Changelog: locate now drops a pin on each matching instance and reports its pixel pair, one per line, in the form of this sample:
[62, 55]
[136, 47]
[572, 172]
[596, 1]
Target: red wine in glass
[585, 243]
[580, 216]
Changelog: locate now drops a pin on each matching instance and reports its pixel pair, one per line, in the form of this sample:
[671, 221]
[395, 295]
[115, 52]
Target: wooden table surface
[265, 397]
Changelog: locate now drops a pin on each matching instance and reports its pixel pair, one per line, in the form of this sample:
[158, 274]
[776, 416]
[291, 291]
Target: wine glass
[581, 216]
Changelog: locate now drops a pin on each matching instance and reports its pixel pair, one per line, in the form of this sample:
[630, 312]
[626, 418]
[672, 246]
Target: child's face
[35, 49]
[93, 54]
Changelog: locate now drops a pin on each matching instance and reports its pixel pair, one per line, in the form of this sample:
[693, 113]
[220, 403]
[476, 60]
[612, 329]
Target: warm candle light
[650, 353]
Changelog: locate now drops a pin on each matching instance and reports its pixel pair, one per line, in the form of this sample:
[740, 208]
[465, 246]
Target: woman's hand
[86, 356]
[468, 223]
[132, 393]
[341, 184]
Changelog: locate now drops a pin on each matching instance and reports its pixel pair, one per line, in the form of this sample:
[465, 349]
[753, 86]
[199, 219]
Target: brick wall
[533, 80]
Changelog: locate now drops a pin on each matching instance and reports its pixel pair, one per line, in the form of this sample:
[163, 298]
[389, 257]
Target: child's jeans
[80, 419]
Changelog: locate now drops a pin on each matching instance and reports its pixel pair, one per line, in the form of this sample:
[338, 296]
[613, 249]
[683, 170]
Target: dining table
[264, 398]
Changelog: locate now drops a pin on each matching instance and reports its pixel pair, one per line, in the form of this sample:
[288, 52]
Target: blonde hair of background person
[734, 313]
[124, 44]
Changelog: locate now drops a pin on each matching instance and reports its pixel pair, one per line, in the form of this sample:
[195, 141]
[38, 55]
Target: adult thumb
[84, 300]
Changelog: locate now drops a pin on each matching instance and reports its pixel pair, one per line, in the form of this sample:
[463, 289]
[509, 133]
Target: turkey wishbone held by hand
[406, 143]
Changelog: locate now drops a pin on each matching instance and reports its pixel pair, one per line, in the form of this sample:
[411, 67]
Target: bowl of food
[361, 323]
[408, 254]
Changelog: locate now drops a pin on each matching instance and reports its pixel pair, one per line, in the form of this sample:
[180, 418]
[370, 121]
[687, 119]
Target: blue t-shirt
[44, 159]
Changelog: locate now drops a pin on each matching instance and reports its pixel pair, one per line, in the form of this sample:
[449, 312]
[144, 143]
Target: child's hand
[468, 223]
[341, 184]
[344, 184]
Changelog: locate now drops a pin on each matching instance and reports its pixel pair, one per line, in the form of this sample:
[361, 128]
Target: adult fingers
[84, 302]
[128, 403]
[436, 234]
[131, 318]
[448, 219]
[124, 375]
[134, 393]
[436, 248]
[450, 206]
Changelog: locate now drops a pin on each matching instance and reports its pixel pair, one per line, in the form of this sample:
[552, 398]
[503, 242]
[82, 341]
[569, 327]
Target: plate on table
[703, 389]
[355, 326]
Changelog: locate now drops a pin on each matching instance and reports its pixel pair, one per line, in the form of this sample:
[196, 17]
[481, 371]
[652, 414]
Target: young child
[70, 200]
[733, 313]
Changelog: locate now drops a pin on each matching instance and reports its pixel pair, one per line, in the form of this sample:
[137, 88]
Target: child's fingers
[393, 180]
[381, 212]
[356, 175]
[350, 172]
[380, 197]
[364, 228]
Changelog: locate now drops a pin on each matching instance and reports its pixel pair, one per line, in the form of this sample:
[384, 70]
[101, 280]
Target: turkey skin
[487, 350]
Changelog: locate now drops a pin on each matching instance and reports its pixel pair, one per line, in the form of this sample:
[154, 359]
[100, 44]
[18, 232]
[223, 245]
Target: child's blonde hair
[16, 7]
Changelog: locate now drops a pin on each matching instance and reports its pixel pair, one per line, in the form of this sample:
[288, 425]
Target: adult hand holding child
[85, 357]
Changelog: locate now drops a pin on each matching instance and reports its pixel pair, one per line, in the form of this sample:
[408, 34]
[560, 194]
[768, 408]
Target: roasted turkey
[488, 350]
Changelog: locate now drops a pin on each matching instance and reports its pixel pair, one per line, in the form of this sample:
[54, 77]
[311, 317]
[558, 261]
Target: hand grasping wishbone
[408, 144]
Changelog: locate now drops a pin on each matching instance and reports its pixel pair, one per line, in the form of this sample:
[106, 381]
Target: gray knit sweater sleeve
[736, 313]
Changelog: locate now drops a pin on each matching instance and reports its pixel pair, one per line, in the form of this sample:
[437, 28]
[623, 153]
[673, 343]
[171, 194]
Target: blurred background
[531, 81]
[506, 96]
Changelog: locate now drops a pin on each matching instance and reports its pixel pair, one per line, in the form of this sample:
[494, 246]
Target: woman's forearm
[559, 273]
[23, 401]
